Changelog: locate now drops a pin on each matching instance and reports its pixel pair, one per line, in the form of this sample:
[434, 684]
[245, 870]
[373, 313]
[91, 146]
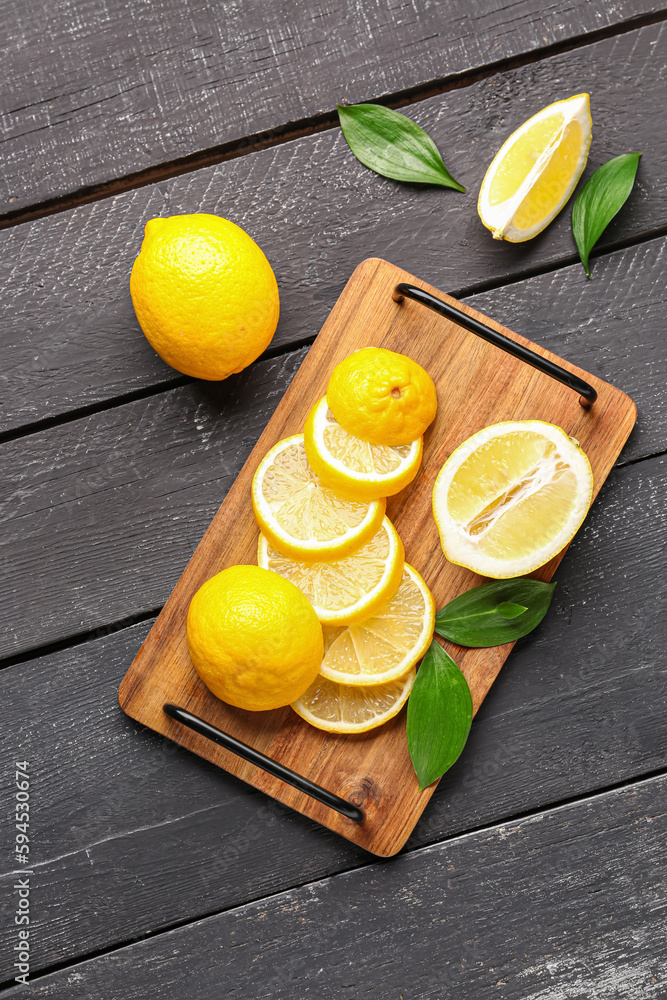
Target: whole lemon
[204, 294]
[382, 397]
[254, 638]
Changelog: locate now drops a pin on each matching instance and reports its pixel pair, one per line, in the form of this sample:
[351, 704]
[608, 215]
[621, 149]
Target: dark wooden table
[538, 868]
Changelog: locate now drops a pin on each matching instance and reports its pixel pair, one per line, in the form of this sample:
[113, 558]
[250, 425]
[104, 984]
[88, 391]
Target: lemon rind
[412, 657]
[498, 569]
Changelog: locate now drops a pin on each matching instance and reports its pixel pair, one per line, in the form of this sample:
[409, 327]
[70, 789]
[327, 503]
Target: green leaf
[393, 145]
[494, 613]
[439, 715]
[601, 197]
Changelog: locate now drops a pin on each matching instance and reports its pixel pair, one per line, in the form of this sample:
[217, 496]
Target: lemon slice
[341, 708]
[300, 516]
[536, 170]
[386, 646]
[349, 589]
[511, 497]
[356, 468]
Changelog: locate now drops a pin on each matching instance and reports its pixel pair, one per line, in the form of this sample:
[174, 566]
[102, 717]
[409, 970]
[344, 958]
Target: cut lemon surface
[341, 708]
[301, 516]
[536, 170]
[383, 648]
[511, 497]
[349, 589]
[353, 467]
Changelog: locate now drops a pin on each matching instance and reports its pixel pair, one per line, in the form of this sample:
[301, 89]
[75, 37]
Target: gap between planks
[317, 123]
[90, 635]
[175, 382]
[518, 817]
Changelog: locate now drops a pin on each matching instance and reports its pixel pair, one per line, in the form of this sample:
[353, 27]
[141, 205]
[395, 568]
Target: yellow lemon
[204, 294]
[254, 638]
[384, 647]
[349, 589]
[355, 468]
[342, 708]
[382, 397]
[301, 516]
[536, 170]
[511, 497]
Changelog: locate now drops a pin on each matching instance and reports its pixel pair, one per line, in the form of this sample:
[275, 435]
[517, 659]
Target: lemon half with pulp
[511, 497]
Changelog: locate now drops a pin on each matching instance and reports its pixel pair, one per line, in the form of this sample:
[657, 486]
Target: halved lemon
[511, 497]
[348, 589]
[384, 647]
[302, 517]
[356, 468]
[341, 708]
[536, 170]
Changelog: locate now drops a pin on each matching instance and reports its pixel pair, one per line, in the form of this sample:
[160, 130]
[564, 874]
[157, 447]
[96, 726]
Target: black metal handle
[587, 392]
[266, 763]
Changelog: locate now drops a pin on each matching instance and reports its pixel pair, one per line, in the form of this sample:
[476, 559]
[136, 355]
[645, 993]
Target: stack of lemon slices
[319, 500]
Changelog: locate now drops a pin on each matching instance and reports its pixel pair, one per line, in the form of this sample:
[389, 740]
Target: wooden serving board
[477, 385]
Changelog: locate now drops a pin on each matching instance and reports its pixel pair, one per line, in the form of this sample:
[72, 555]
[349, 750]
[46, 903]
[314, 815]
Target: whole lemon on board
[204, 294]
[254, 638]
[382, 397]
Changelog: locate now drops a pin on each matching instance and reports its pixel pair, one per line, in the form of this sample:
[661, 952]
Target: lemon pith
[341, 708]
[204, 294]
[353, 467]
[511, 497]
[536, 170]
[254, 639]
[384, 647]
[349, 589]
[381, 396]
[302, 517]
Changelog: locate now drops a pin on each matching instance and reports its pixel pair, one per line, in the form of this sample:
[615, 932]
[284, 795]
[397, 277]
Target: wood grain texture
[148, 486]
[167, 837]
[93, 90]
[477, 385]
[170, 459]
[567, 905]
[68, 332]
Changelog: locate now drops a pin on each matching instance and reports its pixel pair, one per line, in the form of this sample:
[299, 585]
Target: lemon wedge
[536, 170]
[511, 497]
[300, 516]
[353, 467]
[386, 646]
[341, 708]
[348, 589]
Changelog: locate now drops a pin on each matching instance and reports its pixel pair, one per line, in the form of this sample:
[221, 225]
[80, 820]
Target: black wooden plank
[134, 487]
[95, 91]
[122, 498]
[126, 826]
[566, 904]
[68, 330]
